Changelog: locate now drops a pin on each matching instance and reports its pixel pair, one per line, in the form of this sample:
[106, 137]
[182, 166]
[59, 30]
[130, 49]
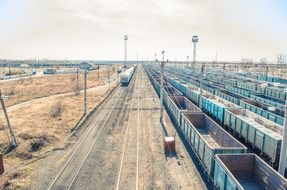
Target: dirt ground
[46, 85]
[145, 163]
[128, 152]
[36, 130]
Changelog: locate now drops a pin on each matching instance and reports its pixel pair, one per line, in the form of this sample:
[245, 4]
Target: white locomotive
[126, 76]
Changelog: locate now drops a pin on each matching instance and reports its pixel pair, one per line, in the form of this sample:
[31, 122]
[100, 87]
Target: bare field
[46, 85]
[36, 130]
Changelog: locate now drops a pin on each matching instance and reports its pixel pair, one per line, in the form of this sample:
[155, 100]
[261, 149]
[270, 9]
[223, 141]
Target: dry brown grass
[36, 87]
[15, 180]
[36, 131]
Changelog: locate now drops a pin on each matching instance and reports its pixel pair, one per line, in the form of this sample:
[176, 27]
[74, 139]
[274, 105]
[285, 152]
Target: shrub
[57, 109]
[36, 145]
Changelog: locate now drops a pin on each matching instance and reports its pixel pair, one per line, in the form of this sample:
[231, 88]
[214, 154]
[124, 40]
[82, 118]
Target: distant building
[24, 66]
[86, 65]
[50, 71]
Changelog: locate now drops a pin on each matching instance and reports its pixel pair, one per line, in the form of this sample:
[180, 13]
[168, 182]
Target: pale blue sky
[94, 29]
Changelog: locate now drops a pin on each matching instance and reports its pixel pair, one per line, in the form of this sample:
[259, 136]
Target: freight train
[240, 93]
[126, 76]
[214, 147]
[219, 109]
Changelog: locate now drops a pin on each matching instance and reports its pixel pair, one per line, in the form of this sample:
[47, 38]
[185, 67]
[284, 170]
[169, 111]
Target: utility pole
[9, 68]
[266, 73]
[201, 84]
[117, 73]
[238, 67]
[161, 87]
[12, 136]
[194, 41]
[78, 89]
[126, 49]
[99, 72]
[223, 72]
[85, 91]
[109, 75]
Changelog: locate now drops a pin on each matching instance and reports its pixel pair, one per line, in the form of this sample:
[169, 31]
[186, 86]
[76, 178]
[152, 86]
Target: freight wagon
[238, 90]
[208, 87]
[189, 90]
[231, 97]
[176, 105]
[178, 84]
[275, 115]
[273, 79]
[274, 92]
[261, 133]
[193, 94]
[268, 100]
[156, 82]
[246, 172]
[169, 91]
[228, 81]
[215, 106]
[207, 138]
[253, 86]
[262, 110]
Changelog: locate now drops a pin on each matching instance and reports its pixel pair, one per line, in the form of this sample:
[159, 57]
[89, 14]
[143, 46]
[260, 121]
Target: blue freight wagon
[189, 90]
[215, 106]
[268, 100]
[275, 92]
[262, 110]
[208, 87]
[178, 84]
[273, 79]
[169, 91]
[250, 85]
[156, 84]
[191, 80]
[207, 138]
[228, 81]
[256, 130]
[176, 105]
[246, 172]
[246, 85]
[193, 94]
[231, 97]
[238, 90]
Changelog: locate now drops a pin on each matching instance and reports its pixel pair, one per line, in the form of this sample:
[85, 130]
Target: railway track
[128, 172]
[107, 116]
[122, 148]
